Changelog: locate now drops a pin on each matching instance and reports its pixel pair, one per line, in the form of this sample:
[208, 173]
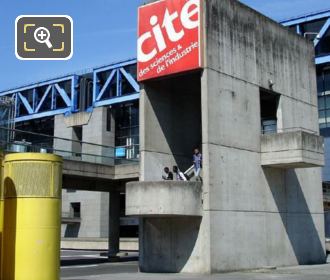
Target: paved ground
[87, 265]
[90, 264]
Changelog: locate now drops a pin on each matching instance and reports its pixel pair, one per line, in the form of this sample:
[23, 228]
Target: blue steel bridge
[73, 93]
[27, 113]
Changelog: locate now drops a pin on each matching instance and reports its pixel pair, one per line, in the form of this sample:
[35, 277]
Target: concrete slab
[297, 149]
[164, 198]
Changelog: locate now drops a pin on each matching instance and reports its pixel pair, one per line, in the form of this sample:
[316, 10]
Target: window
[127, 130]
[323, 80]
[268, 110]
[75, 210]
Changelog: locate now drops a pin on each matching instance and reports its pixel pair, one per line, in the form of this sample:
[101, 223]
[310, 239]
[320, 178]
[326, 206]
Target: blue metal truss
[299, 21]
[109, 89]
[112, 84]
[322, 32]
[306, 18]
[45, 99]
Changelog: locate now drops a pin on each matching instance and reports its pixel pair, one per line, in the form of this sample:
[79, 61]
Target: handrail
[39, 147]
[107, 152]
[54, 137]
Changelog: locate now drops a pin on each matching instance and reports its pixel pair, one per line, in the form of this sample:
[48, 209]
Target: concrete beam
[298, 149]
[100, 171]
[166, 198]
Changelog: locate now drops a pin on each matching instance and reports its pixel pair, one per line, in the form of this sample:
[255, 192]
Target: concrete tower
[251, 106]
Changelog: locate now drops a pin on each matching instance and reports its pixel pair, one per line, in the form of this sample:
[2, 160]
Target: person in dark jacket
[179, 176]
[168, 175]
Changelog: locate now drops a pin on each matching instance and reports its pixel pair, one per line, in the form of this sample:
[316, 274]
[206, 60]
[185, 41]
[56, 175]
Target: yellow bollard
[1, 209]
[32, 216]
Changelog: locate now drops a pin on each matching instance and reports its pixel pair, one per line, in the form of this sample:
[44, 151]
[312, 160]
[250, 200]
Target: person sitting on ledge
[179, 176]
[168, 176]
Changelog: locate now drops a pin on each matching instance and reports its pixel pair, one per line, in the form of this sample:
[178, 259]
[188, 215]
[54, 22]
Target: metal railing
[27, 141]
[275, 130]
[326, 195]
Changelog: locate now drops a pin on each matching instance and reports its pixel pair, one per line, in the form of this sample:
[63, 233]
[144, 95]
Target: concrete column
[114, 223]
[97, 132]
[66, 148]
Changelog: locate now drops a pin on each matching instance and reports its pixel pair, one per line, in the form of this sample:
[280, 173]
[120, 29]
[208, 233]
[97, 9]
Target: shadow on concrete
[296, 215]
[177, 108]
[72, 230]
[83, 261]
[168, 243]
[96, 260]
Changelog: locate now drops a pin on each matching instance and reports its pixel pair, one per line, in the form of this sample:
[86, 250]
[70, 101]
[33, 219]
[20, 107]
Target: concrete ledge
[165, 198]
[126, 244]
[297, 149]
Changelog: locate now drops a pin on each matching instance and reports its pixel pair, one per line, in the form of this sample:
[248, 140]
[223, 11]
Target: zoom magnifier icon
[42, 36]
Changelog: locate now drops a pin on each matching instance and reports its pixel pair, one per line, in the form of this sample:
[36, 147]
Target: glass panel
[328, 116]
[127, 130]
[320, 83]
[327, 80]
[321, 116]
[323, 125]
[321, 103]
[327, 104]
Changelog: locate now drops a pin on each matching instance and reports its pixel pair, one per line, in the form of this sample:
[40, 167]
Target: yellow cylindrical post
[1, 209]
[32, 211]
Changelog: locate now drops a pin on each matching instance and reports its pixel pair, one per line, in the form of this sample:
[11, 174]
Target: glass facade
[323, 90]
[310, 30]
[127, 131]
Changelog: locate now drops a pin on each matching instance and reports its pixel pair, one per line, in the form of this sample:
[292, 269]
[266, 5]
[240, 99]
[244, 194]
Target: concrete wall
[96, 132]
[276, 215]
[94, 205]
[67, 148]
[94, 214]
[178, 198]
[170, 124]
[252, 216]
[170, 128]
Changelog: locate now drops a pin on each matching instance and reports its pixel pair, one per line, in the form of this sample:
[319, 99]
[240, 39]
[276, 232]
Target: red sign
[169, 38]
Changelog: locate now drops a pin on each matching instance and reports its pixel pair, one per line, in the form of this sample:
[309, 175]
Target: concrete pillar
[98, 132]
[65, 148]
[114, 223]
